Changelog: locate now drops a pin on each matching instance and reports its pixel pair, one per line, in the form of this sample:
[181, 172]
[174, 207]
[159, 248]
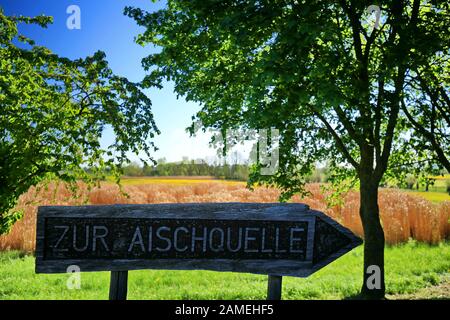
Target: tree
[319, 71]
[53, 112]
[411, 180]
[133, 169]
[427, 104]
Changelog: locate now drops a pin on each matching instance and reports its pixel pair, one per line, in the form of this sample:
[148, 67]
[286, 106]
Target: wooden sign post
[263, 238]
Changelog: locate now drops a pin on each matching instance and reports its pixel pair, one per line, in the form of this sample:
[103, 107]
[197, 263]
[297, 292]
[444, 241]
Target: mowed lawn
[432, 196]
[410, 268]
[438, 191]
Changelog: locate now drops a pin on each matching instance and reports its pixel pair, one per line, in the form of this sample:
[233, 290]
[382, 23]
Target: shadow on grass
[359, 296]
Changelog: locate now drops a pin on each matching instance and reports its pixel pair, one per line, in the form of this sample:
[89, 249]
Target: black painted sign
[278, 239]
[166, 238]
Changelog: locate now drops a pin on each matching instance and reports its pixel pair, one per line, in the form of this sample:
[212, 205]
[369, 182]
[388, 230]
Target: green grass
[432, 195]
[437, 192]
[439, 185]
[409, 268]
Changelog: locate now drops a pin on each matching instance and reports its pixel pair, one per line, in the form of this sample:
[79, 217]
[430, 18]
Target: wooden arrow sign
[275, 239]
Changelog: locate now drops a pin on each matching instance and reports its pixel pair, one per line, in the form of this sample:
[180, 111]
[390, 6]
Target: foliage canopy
[320, 72]
[53, 113]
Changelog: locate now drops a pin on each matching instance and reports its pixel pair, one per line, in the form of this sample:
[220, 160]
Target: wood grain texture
[214, 212]
[118, 286]
[274, 287]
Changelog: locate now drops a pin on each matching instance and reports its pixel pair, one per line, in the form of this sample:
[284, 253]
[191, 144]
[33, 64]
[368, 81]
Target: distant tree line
[188, 168]
[240, 172]
[203, 168]
[417, 181]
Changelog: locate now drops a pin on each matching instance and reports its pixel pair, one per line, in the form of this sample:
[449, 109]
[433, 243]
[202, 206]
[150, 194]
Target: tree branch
[430, 137]
[337, 138]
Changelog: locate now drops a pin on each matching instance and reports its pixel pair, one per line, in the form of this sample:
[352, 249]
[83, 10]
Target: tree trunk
[373, 286]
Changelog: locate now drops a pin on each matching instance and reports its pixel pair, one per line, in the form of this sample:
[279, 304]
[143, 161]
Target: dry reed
[404, 216]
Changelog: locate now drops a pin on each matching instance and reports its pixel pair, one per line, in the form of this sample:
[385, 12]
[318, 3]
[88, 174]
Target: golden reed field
[404, 216]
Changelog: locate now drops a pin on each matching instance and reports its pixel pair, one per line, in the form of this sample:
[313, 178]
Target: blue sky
[104, 27]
